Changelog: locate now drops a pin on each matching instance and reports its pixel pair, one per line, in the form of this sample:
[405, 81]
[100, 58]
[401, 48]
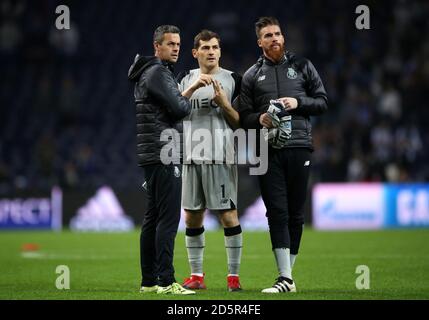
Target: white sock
[233, 245]
[292, 260]
[282, 256]
[195, 247]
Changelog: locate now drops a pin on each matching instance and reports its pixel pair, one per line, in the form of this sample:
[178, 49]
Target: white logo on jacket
[291, 73]
[176, 172]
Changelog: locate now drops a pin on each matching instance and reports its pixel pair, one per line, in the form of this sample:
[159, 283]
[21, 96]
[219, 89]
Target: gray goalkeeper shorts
[209, 186]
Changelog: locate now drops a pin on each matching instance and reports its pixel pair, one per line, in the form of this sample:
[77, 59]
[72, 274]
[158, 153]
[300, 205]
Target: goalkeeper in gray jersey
[209, 175]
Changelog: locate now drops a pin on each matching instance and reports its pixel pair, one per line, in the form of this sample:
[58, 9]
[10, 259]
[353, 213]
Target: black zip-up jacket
[159, 106]
[293, 77]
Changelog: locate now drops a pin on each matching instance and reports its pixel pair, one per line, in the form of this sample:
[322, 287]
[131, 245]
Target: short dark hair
[263, 22]
[158, 35]
[205, 35]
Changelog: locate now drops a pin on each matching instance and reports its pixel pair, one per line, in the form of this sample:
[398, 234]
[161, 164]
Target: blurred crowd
[376, 80]
[67, 112]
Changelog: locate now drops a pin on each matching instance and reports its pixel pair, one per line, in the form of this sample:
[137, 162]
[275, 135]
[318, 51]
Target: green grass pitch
[106, 266]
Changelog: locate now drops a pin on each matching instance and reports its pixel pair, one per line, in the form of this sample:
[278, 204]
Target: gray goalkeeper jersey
[215, 142]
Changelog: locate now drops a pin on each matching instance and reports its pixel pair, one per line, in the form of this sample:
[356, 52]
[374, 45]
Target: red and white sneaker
[194, 283]
[233, 283]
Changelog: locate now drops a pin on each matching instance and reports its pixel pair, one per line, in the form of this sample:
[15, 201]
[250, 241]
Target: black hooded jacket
[159, 106]
[293, 77]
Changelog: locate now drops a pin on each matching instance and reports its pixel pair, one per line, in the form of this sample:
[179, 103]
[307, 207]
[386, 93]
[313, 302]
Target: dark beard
[275, 55]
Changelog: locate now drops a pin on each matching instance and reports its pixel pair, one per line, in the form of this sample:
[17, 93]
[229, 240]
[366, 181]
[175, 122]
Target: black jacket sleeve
[249, 117]
[316, 101]
[163, 87]
[237, 80]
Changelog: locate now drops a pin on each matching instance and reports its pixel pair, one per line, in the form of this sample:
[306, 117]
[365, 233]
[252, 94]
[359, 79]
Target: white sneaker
[152, 289]
[281, 285]
[174, 288]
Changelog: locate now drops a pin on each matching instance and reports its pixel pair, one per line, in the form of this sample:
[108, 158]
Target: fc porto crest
[291, 73]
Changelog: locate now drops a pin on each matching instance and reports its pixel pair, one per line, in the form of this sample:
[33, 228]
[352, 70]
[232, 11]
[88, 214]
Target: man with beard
[280, 93]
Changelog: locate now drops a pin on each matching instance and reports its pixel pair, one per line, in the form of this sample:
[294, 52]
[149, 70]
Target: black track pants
[284, 190]
[161, 220]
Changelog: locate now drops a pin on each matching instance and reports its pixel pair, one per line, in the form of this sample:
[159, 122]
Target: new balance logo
[307, 163]
[261, 78]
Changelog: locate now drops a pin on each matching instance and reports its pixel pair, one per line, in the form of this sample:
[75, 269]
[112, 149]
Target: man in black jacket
[160, 108]
[280, 93]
